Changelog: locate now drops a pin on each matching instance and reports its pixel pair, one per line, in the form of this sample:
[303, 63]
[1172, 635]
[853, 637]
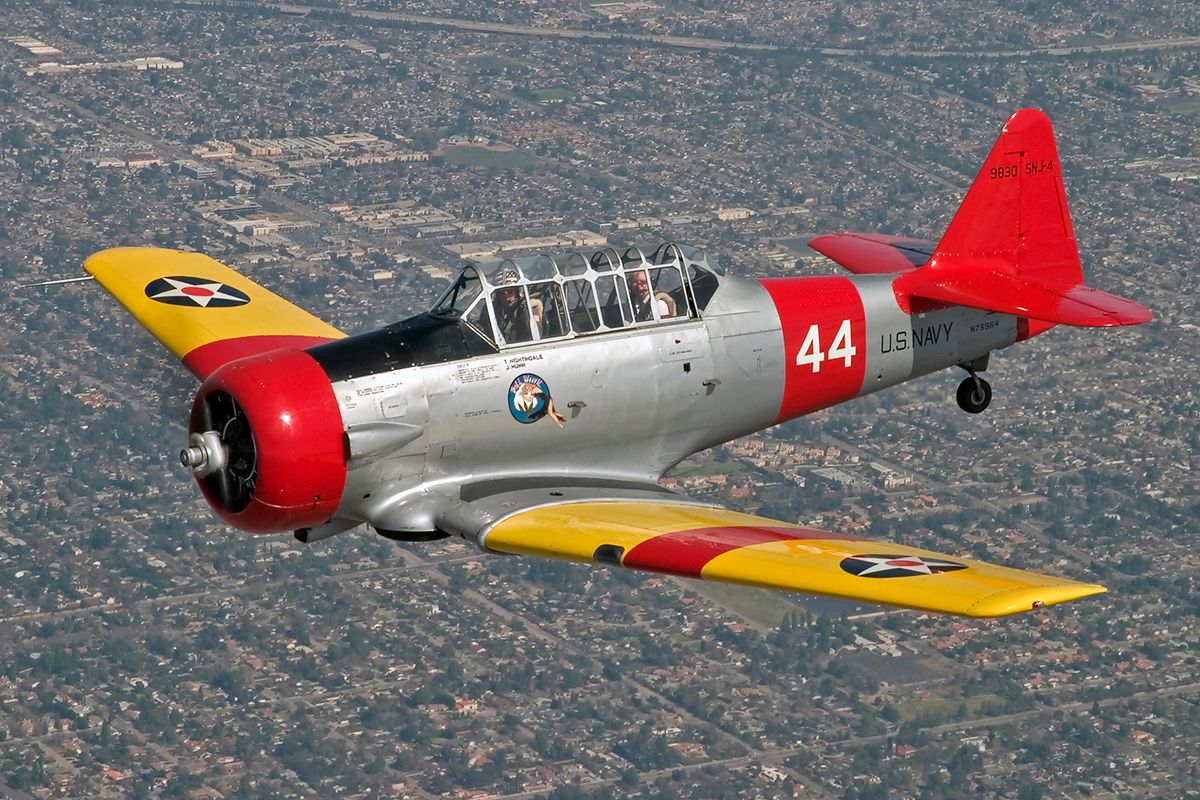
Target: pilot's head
[508, 297]
[639, 283]
[509, 293]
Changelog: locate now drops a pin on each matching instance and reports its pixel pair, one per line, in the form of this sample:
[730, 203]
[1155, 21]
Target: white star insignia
[199, 293]
[910, 565]
[882, 564]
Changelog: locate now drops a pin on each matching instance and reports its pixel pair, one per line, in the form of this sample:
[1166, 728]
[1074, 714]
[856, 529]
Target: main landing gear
[974, 394]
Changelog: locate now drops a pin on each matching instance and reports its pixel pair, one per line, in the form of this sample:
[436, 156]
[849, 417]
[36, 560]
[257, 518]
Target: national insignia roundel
[896, 566]
[188, 291]
[528, 398]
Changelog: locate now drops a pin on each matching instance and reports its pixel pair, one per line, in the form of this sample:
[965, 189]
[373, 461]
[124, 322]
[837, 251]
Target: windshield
[460, 295]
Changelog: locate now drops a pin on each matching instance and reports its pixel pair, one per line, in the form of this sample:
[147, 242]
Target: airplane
[534, 407]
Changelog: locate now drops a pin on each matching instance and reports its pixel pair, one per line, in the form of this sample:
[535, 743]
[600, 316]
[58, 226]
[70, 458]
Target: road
[701, 43]
[775, 756]
[227, 591]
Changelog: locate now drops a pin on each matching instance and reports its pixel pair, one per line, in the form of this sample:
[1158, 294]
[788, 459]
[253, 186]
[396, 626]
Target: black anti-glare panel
[414, 342]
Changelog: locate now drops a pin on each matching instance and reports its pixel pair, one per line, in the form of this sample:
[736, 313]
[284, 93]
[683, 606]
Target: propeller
[221, 451]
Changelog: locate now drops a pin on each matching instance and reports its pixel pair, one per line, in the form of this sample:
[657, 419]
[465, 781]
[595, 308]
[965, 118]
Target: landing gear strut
[974, 394]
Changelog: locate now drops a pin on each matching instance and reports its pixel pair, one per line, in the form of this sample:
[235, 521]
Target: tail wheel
[974, 394]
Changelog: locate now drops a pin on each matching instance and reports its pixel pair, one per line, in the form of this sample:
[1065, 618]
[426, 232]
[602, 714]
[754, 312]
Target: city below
[352, 156]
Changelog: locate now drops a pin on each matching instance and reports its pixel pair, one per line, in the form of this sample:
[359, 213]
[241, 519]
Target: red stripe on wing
[205, 359]
[687, 552]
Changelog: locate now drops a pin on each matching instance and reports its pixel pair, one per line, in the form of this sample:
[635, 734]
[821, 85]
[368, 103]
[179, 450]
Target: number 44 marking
[842, 347]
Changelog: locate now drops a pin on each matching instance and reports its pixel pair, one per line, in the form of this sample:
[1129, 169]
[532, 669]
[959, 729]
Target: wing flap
[205, 313]
[717, 544]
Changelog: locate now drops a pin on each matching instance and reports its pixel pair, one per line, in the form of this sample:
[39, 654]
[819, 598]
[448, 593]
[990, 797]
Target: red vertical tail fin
[1011, 247]
[1016, 211]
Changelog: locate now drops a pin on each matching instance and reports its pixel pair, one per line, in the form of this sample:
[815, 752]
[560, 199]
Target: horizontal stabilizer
[1012, 294]
[874, 253]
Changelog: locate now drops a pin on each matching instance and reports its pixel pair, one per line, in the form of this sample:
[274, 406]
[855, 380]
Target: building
[734, 213]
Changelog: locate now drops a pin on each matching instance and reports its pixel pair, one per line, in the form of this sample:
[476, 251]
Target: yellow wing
[204, 312]
[716, 544]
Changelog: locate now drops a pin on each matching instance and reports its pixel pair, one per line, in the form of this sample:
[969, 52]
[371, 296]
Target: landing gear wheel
[974, 394]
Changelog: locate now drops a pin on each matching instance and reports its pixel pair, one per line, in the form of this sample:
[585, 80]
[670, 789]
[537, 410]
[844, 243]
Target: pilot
[639, 295]
[512, 315]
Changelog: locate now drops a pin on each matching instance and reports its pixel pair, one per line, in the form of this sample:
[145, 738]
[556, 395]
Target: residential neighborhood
[352, 156]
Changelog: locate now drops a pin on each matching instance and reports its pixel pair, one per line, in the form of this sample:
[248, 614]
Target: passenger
[639, 295]
[666, 305]
[536, 310]
[512, 314]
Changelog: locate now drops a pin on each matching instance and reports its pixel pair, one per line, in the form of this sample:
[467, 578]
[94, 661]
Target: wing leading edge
[721, 545]
[205, 313]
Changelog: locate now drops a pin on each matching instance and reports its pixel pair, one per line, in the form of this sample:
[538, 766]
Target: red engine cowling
[266, 441]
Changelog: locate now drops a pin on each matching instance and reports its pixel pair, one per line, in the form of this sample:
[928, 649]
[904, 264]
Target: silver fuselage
[638, 401]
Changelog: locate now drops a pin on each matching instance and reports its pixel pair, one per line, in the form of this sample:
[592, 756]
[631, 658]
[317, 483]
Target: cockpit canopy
[538, 298]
